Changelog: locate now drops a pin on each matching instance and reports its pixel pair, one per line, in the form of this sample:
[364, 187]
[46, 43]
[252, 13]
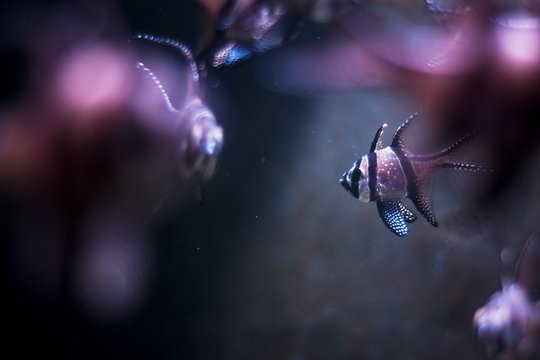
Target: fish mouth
[352, 190]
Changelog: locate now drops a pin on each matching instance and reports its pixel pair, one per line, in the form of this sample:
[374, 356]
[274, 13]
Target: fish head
[355, 180]
[201, 145]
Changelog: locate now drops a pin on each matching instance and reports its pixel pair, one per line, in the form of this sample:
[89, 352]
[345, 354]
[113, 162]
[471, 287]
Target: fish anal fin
[421, 201]
[391, 215]
[408, 215]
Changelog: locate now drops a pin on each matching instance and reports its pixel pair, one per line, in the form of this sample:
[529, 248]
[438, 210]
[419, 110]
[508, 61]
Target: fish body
[245, 28]
[387, 175]
[199, 136]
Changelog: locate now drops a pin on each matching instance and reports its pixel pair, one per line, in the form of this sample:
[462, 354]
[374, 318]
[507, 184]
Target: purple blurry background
[278, 262]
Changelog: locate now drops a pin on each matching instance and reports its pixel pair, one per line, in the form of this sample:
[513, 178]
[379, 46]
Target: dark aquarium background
[110, 249]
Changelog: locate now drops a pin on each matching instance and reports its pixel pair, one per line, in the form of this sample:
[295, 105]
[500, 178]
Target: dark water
[277, 262]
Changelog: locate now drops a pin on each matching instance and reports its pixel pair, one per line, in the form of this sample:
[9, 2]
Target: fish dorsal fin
[418, 196]
[391, 215]
[376, 144]
[185, 51]
[158, 86]
[448, 150]
[397, 140]
[459, 143]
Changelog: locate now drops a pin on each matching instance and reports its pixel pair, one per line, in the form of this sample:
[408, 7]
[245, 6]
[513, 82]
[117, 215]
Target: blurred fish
[509, 324]
[261, 27]
[200, 137]
[249, 27]
[388, 175]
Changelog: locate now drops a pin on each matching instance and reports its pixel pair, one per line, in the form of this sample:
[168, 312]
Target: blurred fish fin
[157, 85]
[284, 30]
[185, 51]
[527, 269]
[231, 54]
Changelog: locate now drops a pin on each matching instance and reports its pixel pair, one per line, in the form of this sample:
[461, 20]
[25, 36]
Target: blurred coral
[87, 153]
[509, 324]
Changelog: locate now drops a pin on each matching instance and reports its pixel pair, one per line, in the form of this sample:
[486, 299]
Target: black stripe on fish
[392, 216]
[376, 144]
[415, 187]
[372, 175]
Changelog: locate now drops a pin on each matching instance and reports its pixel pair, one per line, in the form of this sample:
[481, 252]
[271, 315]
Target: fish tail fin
[448, 151]
[443, 159]
[466, 167]
[458, 144]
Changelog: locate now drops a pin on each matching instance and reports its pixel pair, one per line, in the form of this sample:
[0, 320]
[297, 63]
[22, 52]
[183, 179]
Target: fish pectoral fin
[406, 212]
[392, 217]
[421, 201]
